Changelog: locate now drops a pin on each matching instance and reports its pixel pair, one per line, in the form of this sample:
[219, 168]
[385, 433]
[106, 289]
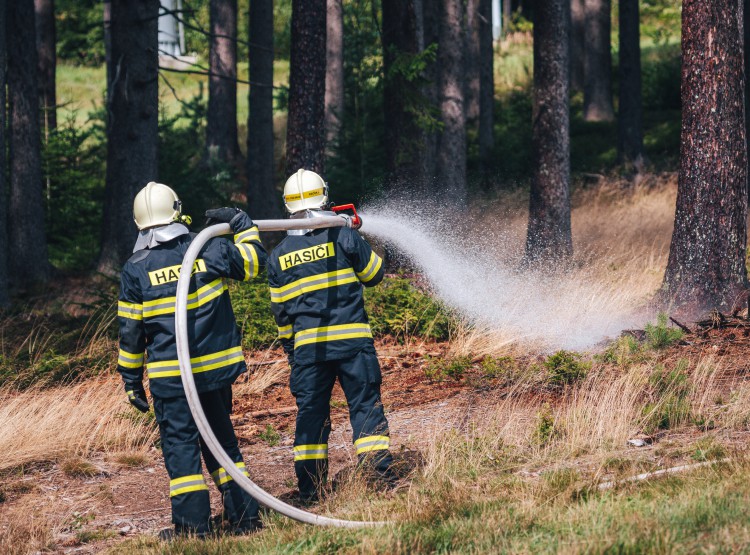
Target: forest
[559, 192]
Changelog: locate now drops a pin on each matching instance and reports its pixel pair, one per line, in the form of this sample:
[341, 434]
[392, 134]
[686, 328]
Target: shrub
[270, 436]
[670, 406]
[545, 426]
[496, 367]
[438, 369]
[565, 367]
[660, 335]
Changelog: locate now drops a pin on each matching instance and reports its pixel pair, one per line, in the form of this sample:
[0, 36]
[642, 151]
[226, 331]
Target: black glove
[137, 397]
[237, 219]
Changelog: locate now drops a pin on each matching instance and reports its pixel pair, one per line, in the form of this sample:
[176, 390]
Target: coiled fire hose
[188, 382]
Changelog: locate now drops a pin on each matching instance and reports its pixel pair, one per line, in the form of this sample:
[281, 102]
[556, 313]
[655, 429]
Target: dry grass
[76, 420]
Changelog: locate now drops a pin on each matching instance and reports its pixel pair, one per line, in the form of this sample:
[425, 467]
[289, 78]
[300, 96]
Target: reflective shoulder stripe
[285, 332]
[247, 235]
[331, 333]
[251, 259]
[130, 360]
[186, 484]
[312, 283]
[372, 268]
[205, 363]
[311, 452]
[372, 443]
[134, 311]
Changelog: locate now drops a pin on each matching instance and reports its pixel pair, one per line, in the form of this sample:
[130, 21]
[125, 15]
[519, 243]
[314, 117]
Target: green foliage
[438, 369]
[80, 32]
[496, 367]
[621, 351]
[545, 426]
[252, 308]
[270, 436]
[660, 335]
[670, 390]
[74, 168]
[565, 367]
[397, 308]
[708, 449]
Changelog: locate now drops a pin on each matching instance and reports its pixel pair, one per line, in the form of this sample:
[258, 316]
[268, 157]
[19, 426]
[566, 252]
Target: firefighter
[316, 279]
[146, 313]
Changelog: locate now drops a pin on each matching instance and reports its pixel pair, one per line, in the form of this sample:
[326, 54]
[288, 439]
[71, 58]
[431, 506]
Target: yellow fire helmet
[156, 204]
[305, 190]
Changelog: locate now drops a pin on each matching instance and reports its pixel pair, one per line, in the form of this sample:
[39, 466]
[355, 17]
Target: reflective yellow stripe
[171, 368]
[306, 194]
[372, 443]
[251, 259]
[310, 452]
[312, 283]
[247, 235]
[130, 360]
[186, 484]
[134, 311]
[331, 333]
[221, 476]
[202, 296]
[285, 332]
[372, 268]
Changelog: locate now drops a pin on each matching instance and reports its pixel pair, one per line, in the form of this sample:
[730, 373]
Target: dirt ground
[121, 501]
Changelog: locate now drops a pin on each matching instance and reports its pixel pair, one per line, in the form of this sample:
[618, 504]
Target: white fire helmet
[305, 190]
[156, 204]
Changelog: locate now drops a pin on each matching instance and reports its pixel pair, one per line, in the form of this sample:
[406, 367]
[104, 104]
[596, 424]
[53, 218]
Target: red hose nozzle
[349, 210]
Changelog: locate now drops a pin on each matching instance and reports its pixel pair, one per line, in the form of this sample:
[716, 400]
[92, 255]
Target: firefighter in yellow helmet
[316, 279]
[146, 312]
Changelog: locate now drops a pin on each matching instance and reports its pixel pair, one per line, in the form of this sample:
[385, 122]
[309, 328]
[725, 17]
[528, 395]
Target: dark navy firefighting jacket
[146, 308]
[316, 284]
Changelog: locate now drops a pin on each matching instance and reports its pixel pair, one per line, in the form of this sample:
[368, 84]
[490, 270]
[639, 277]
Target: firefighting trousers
[182, 447]
[311, 385]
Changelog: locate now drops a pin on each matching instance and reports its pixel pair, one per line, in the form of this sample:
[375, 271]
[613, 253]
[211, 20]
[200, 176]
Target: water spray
[186, 369]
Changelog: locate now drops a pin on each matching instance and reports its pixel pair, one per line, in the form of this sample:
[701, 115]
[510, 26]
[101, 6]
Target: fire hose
[188, 381]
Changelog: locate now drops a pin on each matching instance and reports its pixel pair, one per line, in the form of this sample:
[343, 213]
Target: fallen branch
[273, 412]
[683, 327]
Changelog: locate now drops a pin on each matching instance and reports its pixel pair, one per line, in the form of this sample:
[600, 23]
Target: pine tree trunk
[597, 88]
[429, 24]
[334, 98]
[221, 120]
[706, 266]
[28, 243]
[549, 234]
[132, 128]
[402, 134]
[487, 87]
[630, 129]
[305, 135]
[262, 197]
[746, 37]
[107, 23]
[472, 62]
[4, 250]
[577, 43]
[47, 62]
[451, 147]
[507, 8]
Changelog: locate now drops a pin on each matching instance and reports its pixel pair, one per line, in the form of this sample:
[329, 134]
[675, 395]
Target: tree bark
[577, 43]
[47, 62]
[305, 137]
[262, 197]
[630, 129]
[428, 23]
[746, 33]
[334, 97]
[402, 134]
[487, 87]
[706, 266]
[451, 147]
[472, 62]
[549, 234]
[4, 250]
[132, 126]
[107, 23]
[221, 120]
[28, 243]
[597, 88]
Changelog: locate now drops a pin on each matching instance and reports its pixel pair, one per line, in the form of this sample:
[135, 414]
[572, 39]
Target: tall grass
[79, 419]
